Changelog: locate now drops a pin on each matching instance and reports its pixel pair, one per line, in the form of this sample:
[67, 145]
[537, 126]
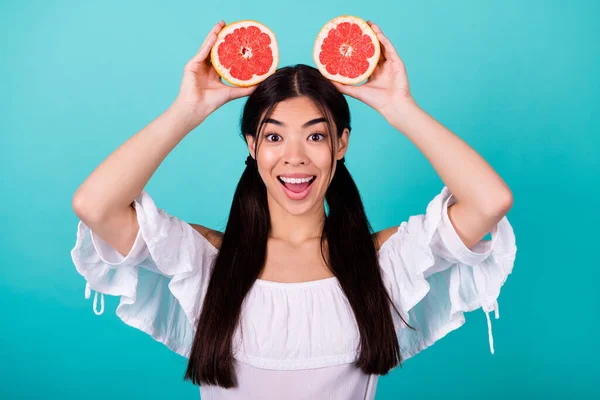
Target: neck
[295, 228]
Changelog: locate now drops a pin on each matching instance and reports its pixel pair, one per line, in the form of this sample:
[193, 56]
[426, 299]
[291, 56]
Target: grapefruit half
[346, 50]
[245, 53]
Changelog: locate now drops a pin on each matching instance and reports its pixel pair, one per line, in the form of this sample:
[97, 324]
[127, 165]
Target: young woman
[297, 298]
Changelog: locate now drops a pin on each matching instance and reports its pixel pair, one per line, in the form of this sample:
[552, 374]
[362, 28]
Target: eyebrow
[306, 125]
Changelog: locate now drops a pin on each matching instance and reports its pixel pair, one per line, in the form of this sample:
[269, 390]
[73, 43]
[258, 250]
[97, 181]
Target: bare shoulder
[214, 237]
[380, 237]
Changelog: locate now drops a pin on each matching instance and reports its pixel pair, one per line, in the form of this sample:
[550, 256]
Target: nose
[294, 155]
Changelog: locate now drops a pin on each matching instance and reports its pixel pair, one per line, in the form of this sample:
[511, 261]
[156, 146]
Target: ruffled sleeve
[433, 278]
[161, 281]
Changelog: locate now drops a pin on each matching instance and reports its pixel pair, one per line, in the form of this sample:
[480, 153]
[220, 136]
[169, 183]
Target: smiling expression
[294, 146]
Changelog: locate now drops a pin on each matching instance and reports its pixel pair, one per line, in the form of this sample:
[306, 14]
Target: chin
[296, 204]
[299, 209]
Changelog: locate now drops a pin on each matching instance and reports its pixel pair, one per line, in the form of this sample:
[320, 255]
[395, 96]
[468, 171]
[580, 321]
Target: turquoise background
[516, 80]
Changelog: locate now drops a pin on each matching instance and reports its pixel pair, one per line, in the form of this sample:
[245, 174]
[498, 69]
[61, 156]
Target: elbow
[507, 201]
[83, 209]
[502, 205]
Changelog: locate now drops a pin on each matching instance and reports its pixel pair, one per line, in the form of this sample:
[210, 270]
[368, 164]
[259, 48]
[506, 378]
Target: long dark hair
[352, 257]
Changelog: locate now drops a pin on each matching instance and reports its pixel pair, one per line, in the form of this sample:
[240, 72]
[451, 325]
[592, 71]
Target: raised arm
[483, 198]
[104, 200]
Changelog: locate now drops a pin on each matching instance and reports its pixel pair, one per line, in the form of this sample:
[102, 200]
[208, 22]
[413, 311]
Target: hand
[202, 90]
[387, 89]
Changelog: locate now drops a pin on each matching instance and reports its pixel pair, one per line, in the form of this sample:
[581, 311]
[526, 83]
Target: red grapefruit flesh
[245, 53]
[346, 50]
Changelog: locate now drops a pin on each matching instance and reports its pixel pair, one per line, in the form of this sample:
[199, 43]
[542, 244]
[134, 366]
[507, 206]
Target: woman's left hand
[387, 89]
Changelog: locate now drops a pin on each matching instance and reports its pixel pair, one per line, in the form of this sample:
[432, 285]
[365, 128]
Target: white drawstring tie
[88, 293]
[489, 322]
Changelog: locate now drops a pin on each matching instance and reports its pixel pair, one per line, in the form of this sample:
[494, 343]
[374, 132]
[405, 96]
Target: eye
[270, 134]
[318, 134]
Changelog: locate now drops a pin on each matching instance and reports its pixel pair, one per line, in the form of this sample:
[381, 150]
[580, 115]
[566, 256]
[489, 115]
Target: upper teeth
[295, 180]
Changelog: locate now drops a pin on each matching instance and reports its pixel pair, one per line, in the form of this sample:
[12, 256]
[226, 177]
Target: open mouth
[297, 187]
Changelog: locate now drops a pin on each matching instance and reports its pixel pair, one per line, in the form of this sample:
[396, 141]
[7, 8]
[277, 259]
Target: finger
[346, 89]
[377, 71]
[382, 57]
[208, 43]
[390, 52]
[377, 29]
[236, 93]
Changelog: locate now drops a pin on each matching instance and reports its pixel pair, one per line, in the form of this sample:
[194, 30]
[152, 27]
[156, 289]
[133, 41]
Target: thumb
[238, 92]
[345, 89]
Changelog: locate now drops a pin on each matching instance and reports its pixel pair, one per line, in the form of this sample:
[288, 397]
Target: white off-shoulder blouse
[299, 339]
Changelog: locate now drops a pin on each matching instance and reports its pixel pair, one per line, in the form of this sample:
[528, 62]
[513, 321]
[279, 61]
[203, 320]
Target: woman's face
[294, 143]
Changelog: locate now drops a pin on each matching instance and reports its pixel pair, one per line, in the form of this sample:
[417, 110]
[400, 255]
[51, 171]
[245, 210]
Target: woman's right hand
[202, 90]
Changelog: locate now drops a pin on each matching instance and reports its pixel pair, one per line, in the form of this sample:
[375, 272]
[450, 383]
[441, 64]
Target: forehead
[296, 111]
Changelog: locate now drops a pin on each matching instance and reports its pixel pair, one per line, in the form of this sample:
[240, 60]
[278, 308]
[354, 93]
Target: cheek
[267, 159]
[322, 160]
